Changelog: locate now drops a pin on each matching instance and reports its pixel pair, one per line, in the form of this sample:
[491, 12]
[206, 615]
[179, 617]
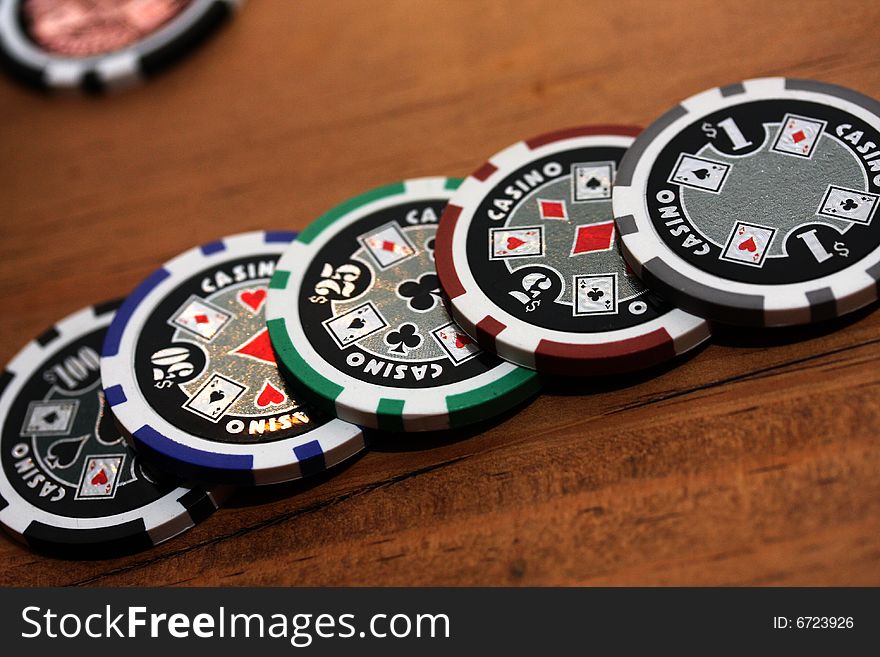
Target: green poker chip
[356, 315]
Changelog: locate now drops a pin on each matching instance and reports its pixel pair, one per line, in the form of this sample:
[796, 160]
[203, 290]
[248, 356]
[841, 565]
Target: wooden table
[754, 461]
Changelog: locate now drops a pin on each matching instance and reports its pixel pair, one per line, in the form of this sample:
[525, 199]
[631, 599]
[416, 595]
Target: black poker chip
[70, 485]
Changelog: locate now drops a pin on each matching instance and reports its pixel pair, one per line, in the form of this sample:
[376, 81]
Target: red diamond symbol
[201, 319]
[593, 237]
[798, 136]
[553, 210]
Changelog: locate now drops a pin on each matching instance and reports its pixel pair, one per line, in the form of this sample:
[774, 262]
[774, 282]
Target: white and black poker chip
[29, 60]
[70, 485]
[756, 203]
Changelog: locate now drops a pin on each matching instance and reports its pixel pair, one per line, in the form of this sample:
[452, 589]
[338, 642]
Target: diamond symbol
[799, 136]
[201, 319]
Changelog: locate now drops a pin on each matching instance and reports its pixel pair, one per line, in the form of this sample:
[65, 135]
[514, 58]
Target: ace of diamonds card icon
[798, 135]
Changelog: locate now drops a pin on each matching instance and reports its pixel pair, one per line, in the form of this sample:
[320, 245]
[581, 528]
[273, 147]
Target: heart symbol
[216, 396]
[357, 323]
[270, 395]
[99, 479]
[748, 245]
[461, 340]
[514, 243]
[702, 174]
[253, 299]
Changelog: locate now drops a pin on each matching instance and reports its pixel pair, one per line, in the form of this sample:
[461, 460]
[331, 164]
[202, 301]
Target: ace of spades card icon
[215, 397]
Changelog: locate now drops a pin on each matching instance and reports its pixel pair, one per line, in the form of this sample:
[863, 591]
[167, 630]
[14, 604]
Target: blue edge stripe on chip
[126, 310]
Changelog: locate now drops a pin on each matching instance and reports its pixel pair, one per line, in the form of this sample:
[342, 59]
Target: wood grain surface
[754, 461]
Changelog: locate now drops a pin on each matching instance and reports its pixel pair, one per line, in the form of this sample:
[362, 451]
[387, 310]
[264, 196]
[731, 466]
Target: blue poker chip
[190, 373]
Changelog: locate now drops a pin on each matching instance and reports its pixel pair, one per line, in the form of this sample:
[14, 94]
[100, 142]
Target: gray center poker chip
[527, 252]
[356, 315]
[755, 203]
[70, 485]
[31, 62]
[189, 371]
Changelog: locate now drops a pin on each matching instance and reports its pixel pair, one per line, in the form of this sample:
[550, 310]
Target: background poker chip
[547, 350]
[29, 62]
[90, 535]
[329, 443]
[715, 297]
[371, 404]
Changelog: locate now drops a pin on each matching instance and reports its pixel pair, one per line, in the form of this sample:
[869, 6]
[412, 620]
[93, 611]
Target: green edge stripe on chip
[389, 414]
[279, 279]
[453, 183]
[493, 398]
[320, 224]
[324, 388]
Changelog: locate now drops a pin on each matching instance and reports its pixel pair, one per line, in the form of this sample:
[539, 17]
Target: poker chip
[526, 251]
[356, 315]
[756, 203]
[94, 45]
[70, 484]
[189, 371]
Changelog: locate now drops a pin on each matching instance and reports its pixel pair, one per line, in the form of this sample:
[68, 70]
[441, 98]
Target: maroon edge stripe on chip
[484, 172]
[443, 244]
[609, 358]
[587, 131]
[487, 330]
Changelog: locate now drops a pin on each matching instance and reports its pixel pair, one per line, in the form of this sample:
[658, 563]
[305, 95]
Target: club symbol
[595, 294]
[404, 339]
[422, 294]
[849, 205]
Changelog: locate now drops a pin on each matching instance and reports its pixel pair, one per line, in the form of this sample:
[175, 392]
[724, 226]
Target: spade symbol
[64, 452]
[50, 418]
[849, 204]
[702, 174]
[216, 396]
[357, 323]
[592, 183]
